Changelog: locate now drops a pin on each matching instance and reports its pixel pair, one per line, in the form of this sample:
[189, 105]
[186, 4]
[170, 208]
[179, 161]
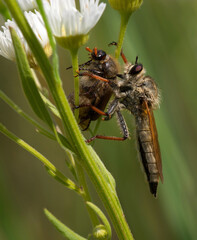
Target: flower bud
[125, 6]
[100, 233]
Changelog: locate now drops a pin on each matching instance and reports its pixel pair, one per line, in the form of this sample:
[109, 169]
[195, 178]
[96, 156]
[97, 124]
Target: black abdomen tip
[153, 188]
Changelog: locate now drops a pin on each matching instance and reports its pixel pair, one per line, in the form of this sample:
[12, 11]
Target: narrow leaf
[51, 39]
[28, 82]
[66, 181]
[4, 11]
[71, 164]
[70, 184]
[30, 87]
[39, 128]
[66, 232]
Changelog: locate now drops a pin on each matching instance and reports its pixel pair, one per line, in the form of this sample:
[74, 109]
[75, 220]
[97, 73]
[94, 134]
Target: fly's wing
[154, 135]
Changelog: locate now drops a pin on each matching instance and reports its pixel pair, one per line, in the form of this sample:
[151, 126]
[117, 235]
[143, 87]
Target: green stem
[123, 26]
[86, 195]
[70, 184]
[79, 168]
[75, 66]
[98, 122]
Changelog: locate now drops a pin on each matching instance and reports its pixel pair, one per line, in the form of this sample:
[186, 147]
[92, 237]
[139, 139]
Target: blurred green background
[164, 36]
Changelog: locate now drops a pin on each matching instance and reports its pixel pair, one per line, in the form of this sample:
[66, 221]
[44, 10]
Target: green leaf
[28, 82]
[70, 184]
[65, 181]
[66, 232]
[29, 85]
[102, 217]
[39, 128]
[70, 162]
[4, 11]
[51, 38]
[49, 104]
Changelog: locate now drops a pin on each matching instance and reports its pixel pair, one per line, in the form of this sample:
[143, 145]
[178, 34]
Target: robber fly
[138, 93]
[94, 93]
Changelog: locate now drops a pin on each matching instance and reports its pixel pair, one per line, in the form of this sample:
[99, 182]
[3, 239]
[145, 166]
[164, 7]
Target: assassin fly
[138, 93]
[94, 93]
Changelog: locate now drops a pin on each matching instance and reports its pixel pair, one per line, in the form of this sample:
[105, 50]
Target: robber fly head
[134, 71]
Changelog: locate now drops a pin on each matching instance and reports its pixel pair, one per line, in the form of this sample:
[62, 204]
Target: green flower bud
[125, 6]
[100, 233]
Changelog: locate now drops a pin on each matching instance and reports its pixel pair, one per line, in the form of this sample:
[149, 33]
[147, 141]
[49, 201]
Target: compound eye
[137, 68]
[100, 55]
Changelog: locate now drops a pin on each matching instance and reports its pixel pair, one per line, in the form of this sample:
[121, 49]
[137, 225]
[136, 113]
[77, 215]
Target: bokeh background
[163, 33]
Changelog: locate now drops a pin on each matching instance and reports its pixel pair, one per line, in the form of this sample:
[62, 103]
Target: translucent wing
[154, 135]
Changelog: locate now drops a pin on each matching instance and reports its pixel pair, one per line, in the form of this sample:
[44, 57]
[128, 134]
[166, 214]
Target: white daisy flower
[36, 22]
[27, 5]
[66, 21]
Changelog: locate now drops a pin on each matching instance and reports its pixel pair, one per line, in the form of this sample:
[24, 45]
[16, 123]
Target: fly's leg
[113, 107]
[82, 65]
[92, 75]
[123, 127]
[95, 109]
[121, 53]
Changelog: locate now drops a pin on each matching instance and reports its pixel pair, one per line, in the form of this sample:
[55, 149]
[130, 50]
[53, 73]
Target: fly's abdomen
[146, 149]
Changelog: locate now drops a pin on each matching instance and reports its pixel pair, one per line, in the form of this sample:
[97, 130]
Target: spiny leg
[113, 106]
[123, 127]
[92, 75]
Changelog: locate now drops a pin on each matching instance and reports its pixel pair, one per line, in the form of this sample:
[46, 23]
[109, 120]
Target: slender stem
[79, 168]
[97, 126]
[86, 195]
[75, 66]
[70, 184]
[123, 27]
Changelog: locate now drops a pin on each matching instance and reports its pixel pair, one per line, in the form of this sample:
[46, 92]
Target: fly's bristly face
[133, 72]
[94, 92]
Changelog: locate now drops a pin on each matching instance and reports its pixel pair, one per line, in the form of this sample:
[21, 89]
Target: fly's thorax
[106, 65]
[122, 88]
[110, 67]
[150, 91]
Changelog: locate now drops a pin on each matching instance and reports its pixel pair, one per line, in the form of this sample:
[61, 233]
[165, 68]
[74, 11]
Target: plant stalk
[86, 195]
[123, 27]
[75, 67]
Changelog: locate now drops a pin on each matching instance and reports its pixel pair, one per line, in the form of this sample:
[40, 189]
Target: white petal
[66, 20]
[27, 5]
[36, 22]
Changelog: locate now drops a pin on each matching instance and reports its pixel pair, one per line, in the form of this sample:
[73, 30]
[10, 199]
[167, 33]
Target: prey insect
[93, 92]
[138, 93]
